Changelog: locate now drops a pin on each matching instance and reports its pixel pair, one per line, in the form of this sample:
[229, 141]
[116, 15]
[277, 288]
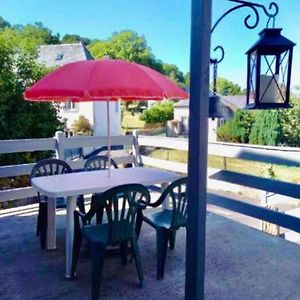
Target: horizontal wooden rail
[265, 184]
[96, 141]
[261, 213]
[28, 145]
[288, 156]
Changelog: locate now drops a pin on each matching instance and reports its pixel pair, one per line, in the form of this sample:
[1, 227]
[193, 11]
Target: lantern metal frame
[269, 71]
[251, 22]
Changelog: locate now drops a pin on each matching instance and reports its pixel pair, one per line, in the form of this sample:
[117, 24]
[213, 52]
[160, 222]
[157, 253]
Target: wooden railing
[58, 144]
[275, 155]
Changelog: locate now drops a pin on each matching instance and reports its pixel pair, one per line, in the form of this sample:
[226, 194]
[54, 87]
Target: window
[59, 56]
[72, 106]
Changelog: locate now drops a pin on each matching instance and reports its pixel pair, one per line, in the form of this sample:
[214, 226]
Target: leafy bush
[236, 130]
[82, 125]
[158, 113]
[291, 124]
[267, 128]
[18, 118]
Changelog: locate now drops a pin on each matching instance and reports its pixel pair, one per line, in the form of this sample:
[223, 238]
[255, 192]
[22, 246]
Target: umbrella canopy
[103, 80]
[107, 79]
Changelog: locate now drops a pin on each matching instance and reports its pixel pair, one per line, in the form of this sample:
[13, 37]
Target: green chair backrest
[99, 162]
[52, 166]
[120, 204]
[177, 193]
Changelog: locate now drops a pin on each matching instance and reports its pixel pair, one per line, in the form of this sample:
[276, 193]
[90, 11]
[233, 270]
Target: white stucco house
[95, 112]
[179, 125]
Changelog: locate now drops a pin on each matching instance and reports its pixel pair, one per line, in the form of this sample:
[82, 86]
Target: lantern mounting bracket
[271, 13]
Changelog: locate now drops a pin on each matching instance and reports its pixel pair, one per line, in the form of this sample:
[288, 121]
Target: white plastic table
[81, 183]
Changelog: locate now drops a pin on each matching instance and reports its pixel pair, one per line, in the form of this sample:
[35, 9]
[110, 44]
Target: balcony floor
[241, 263]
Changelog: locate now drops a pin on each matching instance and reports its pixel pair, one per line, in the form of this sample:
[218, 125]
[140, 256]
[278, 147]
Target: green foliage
[4, 23]
[127, 45]
[226, 87]
[160, 112]
[271, 172]
[28, 37]
[236, 130]
[267, 128]
[187, 78]
[172, 71]
[291, 124]
[82, 126]
[75, 38]
[19, 118]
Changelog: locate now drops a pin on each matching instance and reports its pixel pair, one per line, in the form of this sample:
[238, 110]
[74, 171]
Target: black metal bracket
[271, 13]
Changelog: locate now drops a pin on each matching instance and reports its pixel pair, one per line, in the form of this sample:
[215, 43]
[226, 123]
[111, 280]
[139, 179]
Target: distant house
[179, 125]
[95, 112]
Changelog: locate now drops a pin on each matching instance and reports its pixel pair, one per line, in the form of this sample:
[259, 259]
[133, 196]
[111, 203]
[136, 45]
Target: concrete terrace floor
[241, 263]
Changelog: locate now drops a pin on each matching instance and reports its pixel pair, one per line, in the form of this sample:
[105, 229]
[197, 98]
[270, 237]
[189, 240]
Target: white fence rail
[58, 144]
[275, 155]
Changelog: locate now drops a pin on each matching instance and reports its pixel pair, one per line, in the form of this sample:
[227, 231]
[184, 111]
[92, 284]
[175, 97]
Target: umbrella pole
[108, 135]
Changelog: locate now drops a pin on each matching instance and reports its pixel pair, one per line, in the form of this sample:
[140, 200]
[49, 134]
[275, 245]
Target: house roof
[58, 55]
[234, 102]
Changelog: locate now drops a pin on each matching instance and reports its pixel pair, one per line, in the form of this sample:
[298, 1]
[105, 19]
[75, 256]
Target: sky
[164, 23]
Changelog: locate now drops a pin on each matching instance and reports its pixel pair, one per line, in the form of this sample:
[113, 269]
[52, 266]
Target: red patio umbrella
[103, 80]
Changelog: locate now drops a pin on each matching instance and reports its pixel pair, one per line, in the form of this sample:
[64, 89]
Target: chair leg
[172, 239]
[97, 253]
[80, 203]
[137, 258]
[38, 224]
[123, 252]
[76, 252]
[139, 222]
[43, 223]
[162, 237]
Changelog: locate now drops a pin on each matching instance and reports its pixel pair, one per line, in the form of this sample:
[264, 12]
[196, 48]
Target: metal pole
[198, 139]
[108, 136]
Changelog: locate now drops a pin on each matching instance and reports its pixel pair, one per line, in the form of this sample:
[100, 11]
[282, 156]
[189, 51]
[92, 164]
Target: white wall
[100, 118]
[96, 113]
[83, 108]
[183, 112]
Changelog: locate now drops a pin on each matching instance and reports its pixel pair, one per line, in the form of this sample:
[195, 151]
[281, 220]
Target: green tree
[173, 72]
[75, 38]
[237, 130]
[28, 37]
[267, 128]
[4, 23]
[226, 87]
[187, 78]
[19, 118]
[127, 45]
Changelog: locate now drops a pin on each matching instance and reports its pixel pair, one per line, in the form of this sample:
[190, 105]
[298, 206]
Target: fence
[287, 156]
[59, 144]
[274, 155]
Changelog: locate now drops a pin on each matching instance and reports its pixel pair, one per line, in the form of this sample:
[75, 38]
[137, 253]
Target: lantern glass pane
[252, 78]
[273, 78]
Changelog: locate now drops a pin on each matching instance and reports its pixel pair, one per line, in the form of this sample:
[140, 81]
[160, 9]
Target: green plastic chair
[47, 167]
[120, 205]
[166, 221]
[99, 162]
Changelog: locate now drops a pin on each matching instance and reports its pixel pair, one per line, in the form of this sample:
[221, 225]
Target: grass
[291, 174]
[131, 122]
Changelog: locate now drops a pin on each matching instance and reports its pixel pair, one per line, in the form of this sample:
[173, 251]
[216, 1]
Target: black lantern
[215, 107]
[269, 71]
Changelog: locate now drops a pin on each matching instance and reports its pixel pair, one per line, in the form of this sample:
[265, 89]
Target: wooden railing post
[60, 145]
[136, 149]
